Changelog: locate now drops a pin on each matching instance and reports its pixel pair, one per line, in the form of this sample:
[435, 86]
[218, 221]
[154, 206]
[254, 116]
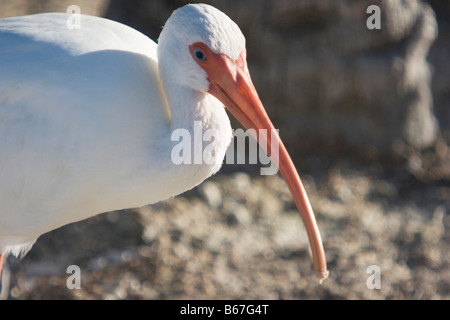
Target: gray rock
[328, 81]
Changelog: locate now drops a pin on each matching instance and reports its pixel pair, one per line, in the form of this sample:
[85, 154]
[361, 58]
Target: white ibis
[86, 116]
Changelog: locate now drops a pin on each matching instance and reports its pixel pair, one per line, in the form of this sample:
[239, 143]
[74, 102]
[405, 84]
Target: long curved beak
[230, 83]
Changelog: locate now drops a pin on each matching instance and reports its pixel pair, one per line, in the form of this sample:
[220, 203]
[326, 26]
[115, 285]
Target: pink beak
[230, 83]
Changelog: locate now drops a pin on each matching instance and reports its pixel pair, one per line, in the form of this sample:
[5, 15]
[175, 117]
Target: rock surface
[252, 244]
[322, 74]
[320, 71]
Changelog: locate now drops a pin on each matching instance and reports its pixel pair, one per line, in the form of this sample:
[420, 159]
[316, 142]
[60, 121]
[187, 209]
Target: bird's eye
[199, 55]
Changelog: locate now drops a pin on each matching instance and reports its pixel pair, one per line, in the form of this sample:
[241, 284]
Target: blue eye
[199, 55]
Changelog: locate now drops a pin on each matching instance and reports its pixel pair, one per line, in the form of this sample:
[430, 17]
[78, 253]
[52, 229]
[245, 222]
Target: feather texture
[83, 116]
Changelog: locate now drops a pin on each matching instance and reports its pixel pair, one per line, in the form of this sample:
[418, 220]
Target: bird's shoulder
[87, 34]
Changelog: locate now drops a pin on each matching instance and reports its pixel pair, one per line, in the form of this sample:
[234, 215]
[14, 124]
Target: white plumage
[86, 115]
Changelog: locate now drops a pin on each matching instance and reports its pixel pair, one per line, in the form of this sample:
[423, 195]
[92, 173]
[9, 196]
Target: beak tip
[322, 275]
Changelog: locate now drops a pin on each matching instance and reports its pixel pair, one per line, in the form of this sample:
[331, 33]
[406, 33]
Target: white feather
[83, 119]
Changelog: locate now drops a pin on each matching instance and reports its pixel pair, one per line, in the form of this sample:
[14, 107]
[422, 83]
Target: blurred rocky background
[365, 115]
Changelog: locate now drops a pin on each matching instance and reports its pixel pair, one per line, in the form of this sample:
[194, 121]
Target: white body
[84, 125]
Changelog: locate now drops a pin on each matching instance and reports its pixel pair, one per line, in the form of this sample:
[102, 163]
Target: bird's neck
[203, 119]
[189, 107]
[186, 106]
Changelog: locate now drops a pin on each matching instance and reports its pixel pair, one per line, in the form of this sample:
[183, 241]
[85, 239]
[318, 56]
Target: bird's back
[79, 110]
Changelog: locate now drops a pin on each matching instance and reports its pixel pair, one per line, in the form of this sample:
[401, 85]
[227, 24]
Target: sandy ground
[238, 236]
